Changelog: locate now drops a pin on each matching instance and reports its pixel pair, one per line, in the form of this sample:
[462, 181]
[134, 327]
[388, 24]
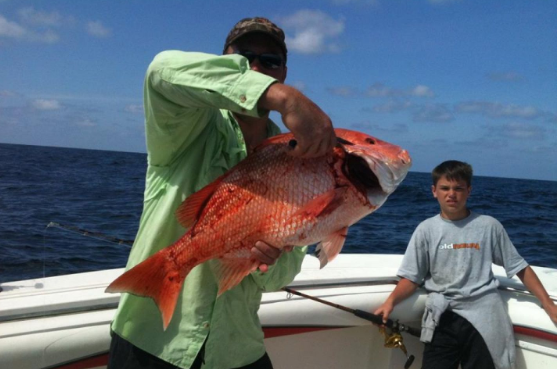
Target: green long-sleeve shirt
[192, 138]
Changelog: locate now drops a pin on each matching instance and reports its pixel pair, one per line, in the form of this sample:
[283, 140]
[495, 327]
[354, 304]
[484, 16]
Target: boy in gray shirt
[451, 254]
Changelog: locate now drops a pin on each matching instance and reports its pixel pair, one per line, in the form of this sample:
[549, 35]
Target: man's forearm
[275, 97]
[311, 127]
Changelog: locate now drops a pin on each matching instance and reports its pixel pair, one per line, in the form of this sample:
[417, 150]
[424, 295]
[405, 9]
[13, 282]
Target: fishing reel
[394, 340]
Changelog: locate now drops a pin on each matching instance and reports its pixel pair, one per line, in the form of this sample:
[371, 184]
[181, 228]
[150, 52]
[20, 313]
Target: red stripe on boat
[271, 332]
[535, 333]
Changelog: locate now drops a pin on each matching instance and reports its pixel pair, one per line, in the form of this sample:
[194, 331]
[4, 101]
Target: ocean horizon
[102, 191]
[144, 153]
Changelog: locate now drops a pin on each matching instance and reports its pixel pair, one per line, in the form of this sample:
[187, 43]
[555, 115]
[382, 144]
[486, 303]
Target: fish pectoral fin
[323, 204]
[190, 210]
[328, 249]
[232, 268]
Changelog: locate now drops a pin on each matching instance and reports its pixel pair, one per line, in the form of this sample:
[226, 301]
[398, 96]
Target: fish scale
[276, 198]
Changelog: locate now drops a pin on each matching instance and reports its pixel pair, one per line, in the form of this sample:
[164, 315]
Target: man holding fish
[204, 114]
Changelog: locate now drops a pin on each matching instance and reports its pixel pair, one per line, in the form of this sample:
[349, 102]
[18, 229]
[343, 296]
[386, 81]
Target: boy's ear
[433, 191]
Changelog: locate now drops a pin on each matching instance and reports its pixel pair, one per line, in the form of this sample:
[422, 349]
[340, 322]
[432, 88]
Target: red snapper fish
[276, 198]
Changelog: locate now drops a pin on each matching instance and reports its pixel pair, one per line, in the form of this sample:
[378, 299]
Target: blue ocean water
[101, 191]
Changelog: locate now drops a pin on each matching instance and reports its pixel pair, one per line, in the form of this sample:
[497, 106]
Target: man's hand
[267, 254]
[312, 128]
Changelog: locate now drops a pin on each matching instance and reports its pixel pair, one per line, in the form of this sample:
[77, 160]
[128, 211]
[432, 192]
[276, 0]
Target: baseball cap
[256, 24]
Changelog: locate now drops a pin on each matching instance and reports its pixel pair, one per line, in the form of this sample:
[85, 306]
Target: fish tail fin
[157, 277]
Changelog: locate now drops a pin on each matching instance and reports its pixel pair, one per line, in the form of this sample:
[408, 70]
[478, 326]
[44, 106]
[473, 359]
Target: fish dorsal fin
[323, 204]
[190, 210]
[328, 249]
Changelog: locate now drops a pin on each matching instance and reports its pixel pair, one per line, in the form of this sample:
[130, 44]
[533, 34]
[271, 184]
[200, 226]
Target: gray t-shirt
[455, 260]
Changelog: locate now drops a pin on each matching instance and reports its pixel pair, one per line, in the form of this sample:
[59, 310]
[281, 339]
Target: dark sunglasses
[268, 61]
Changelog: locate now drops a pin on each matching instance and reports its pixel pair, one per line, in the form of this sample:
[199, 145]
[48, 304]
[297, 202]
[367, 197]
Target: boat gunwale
[86, 305]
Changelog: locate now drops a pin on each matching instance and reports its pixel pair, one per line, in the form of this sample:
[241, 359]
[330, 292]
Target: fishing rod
[394, 340]
[96, 235]
[376, 319]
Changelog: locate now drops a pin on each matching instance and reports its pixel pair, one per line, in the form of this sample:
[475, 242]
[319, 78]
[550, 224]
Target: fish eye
[370, 141]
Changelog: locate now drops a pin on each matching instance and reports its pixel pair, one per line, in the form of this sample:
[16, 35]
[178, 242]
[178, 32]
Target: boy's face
[452, 196]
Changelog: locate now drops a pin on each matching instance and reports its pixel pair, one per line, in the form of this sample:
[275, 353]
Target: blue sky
[445, 79]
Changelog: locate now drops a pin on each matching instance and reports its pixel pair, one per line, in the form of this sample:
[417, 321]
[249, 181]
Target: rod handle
[372, 318]
[377, 319]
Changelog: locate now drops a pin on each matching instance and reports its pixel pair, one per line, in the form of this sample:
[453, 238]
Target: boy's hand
[385, 310]
[551, 310]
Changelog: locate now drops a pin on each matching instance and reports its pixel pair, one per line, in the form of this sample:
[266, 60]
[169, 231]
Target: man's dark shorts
[454, 342]
[124, 355]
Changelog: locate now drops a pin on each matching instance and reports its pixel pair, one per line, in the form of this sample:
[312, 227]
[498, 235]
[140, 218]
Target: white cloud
[433, 113]
[86, 122]
[498, 110]
[505, 77]
[299, 85]
[97, 29]
[380, 90]
[48, 37]
[343, 91]
[134, 109]
[379, 129]
[436, 2]
[314, 31]
[345, 2]
[521, 130]
[45, 26]
[44, 104]
[38, 18]
[34, 32]
[517, 130]
[421, 91]
[393, 106]
[6, 93]
[11, 29]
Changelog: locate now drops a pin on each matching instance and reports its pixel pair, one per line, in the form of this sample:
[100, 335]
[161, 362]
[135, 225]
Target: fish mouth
[374, 176]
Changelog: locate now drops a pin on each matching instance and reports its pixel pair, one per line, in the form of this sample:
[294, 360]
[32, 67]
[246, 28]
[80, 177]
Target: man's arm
[530, 279]
[311, 127]
[404, 289]
[184, 91]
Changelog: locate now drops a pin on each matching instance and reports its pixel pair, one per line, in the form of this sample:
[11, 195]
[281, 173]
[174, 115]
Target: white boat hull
[63, 322]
